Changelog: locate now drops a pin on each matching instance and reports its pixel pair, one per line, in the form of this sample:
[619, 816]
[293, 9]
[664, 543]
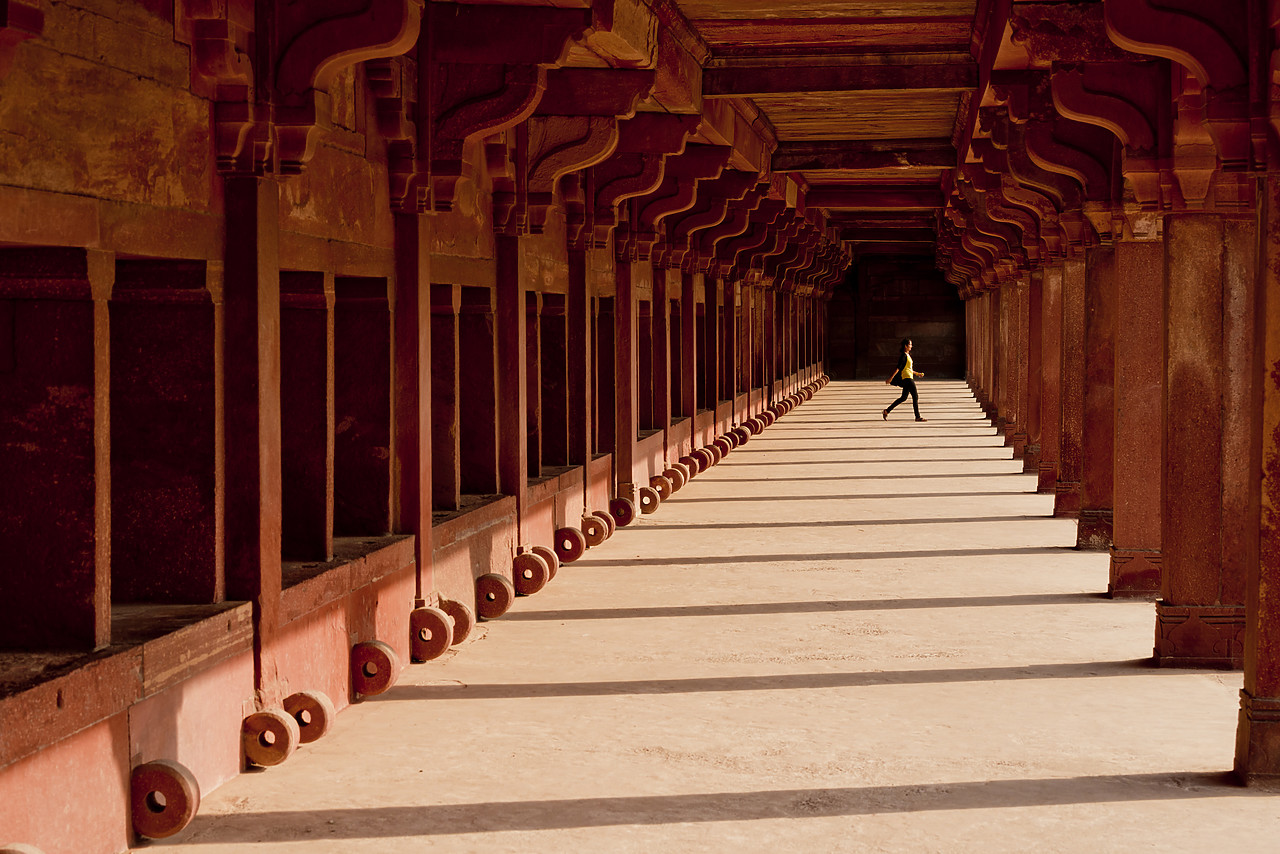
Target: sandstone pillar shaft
[1258, 736]
[1098, 415]
[1070, 452]
[251, 413]
[1139, 391]
[412, 391]
[1209, 272]
[1050, 377]
[1031, 455]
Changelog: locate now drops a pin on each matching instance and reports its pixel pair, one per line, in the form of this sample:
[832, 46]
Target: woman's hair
[903, 346]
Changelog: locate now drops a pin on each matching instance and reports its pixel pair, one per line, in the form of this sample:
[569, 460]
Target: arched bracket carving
[735, 222]
[636, 168]
[576, 127]
[331, 35]
[393, 83]
[1211, 44]
[757, 233]
[678, 190]
[560, 145]
[1131, 100]
[715, 199]
[222, 69]
[470, 101]
[1207, 43]
[488, 72]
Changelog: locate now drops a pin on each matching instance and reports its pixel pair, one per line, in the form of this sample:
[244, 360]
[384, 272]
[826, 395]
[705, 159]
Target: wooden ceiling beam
[889, 235]
[861, 249]
[874, 198]
[749, 80]
[855, 155]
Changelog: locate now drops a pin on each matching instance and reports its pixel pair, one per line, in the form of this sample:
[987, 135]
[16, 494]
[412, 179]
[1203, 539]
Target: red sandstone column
[1034, 318]
[713, 297]
[251, 414]
[579, 359]
[1098, 429]
[1209, 271]
[1016, 428]
[661, 342]
[1022, 436]
[1258, 736]
[1000, 338]
[1050, 377]
[991, 360]
[412, 391]
[533, 382]
[626, 343]
[1139, 390]
[729, 361]
[1070, 453]
[644, 364]
[688, 346]
[510, 313]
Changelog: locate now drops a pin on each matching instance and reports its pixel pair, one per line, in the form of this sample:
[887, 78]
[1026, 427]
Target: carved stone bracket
[1211, 43]
[677, 193]
[636, 168]
[576, 126]
[1132, 101]
[222, 69]
[735, 222]
[394, 84]
[488, 71]
[714, 201]
[319, 39]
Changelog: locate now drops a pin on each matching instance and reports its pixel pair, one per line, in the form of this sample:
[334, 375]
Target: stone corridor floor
[851, 635]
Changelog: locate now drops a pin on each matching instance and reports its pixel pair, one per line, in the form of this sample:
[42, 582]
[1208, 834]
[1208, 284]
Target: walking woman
[904, 376]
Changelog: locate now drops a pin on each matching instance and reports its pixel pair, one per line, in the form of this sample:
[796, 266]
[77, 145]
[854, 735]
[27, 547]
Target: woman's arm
[902, 363]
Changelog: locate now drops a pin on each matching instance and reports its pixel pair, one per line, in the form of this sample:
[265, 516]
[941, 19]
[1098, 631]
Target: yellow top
[907, 372]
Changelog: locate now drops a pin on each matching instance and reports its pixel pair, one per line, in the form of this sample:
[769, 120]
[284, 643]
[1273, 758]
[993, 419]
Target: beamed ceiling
[868, 100]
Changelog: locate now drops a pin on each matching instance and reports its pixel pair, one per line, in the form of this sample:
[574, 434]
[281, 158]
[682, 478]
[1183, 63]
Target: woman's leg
[905, 392]
[915, 397]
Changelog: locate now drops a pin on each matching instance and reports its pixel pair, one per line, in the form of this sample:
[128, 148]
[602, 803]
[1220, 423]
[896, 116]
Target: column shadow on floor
[821, 556]
[879, 460]
[778, 681]
[867, 496]
[892, 476]
[569, 813]
[751, 609]
[839, 523]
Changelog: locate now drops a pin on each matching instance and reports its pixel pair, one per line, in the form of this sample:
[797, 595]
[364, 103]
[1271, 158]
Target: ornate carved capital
[319, 39]
[394, 84]
[636, 168]
[1070, 32]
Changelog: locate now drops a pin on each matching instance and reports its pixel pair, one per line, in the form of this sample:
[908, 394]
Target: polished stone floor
[851, 635]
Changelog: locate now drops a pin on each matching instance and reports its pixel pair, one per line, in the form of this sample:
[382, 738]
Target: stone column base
[1066, 499]
[1258, 741]
[1048, 480]
[1135, 574]
[1210, 636]
[1031, 459]
[1017, 441]
[1094, 531]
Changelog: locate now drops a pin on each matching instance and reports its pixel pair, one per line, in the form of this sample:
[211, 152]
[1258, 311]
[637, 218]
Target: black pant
[908, 388]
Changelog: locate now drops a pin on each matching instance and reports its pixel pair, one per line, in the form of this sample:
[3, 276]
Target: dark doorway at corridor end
[885, 299]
